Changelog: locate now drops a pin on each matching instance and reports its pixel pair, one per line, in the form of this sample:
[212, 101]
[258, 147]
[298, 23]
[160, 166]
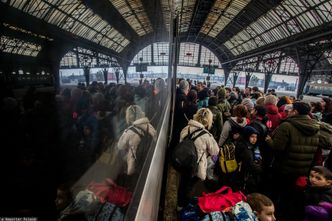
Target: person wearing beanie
[248, 103]
[223, 104]
[272, 111]
[248, 153]
[221, 94]
[295, 143]
[218, 122]
[260, 101]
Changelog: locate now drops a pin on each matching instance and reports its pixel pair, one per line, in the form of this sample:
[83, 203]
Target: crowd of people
[52, 139]
[281, 145]
[276, 141]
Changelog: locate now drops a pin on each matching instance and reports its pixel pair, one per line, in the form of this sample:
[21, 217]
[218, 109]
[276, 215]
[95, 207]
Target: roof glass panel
[298, 15]
[185, 8]
[144, 54]
[206, 55]
[133, 12]
[74, 17]
[188, 53]
[79, 57]
[324, 10]
[18, 46]
[288, 66]
[160, 53]
[222, 12]
[69, 60]
[12, 27]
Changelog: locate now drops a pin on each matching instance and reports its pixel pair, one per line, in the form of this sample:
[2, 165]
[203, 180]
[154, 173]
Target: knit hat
[221, 93]
[248, 103]
[248, 131]
[271, 99]
[261, 111]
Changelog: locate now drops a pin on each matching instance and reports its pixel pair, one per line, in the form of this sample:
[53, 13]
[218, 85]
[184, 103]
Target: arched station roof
[234, 30]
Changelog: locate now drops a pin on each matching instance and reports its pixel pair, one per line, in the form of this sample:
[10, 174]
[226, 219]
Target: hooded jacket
[129, 142]
[227, 128]
[273, 115]
[205, 146]
[295, 143]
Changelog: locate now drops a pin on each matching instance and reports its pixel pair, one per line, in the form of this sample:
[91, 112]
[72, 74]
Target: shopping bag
[111, 192]
[220, 200]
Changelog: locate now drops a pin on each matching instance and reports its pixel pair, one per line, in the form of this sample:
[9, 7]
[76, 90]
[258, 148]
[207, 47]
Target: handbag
[221, 200]
[118, 195]
[111, 192]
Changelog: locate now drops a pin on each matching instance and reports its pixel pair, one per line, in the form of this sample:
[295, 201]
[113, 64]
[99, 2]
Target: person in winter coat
[233, 126]
[223, 104]
[295, 143]
[181, 102]
[318, 195]
[247, 152]
[272, 111]
[205, 146]
[217, 118]
[129, 140]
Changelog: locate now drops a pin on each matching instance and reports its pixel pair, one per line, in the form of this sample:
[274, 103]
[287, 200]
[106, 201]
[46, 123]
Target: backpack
[184, 157]
[217, 123]
[143, 146]
[227, 159]
[243, 212]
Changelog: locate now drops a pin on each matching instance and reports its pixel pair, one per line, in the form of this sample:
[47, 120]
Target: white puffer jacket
[129, 142]
[205, 144]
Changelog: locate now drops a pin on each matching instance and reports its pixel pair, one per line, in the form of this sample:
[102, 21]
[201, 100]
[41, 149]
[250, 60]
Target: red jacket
[273, 115]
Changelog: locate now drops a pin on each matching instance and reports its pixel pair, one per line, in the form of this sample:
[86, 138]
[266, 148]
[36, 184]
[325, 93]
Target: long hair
[205, 117]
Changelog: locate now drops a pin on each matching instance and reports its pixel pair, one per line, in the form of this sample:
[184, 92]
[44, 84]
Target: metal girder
[153, 9]
[20, 19]
[218, 49]
[318, 33]
[249, 14]
[106, 11]
[307, 61]
[201, 12]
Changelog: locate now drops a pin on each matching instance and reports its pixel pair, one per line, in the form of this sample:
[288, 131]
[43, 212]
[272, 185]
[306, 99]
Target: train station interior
[75, 74]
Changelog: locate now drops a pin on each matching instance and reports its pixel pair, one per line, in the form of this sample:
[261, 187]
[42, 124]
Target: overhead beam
[107, 12]
[23, 20]
[153, 10]
[201, 12]
[310, 35]
[249, 14]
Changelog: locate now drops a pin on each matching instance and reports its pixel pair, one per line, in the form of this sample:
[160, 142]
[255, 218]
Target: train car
[322, 89]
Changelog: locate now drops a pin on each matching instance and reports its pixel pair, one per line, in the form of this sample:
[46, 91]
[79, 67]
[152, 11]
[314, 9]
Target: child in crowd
[262, 206]
[247, 152]
[318, 195]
